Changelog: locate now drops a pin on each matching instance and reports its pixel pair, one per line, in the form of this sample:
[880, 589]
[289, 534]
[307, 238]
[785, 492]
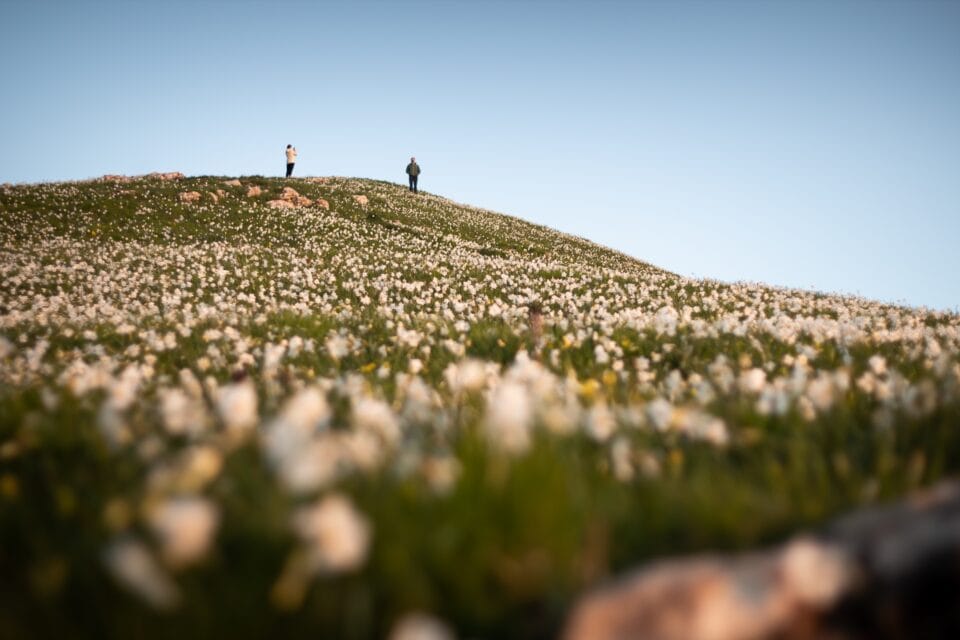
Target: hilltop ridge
[390, 207]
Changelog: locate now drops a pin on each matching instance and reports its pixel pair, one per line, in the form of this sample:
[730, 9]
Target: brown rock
[254, 192]
[189, 196]
[315, 180]
[361, 200]
[323, 204]
[281, 204]
[214, 197]
[292, 196]
[173, 175]
[882, 572]
[232, 183]
[115, 178]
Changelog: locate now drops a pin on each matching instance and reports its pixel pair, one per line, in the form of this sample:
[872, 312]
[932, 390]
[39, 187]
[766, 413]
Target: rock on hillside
[878, 573]
[166, 177]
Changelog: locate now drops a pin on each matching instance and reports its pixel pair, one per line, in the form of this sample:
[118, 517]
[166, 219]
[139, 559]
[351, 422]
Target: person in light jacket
[413, 171]
[291, 159]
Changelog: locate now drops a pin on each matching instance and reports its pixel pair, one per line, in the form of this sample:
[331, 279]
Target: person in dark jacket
[413, 170]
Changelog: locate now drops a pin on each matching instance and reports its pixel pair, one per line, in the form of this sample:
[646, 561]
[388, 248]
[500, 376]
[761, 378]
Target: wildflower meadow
[328, 407]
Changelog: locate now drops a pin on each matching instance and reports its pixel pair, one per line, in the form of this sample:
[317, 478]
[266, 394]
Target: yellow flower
[589, 388]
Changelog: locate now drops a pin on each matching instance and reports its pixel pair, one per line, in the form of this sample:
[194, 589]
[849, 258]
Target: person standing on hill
[291, 159]
[413, 171]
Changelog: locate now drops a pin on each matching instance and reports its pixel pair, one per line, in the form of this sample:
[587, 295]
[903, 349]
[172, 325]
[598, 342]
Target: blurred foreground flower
[134, 567]
[336, 538]
[508, 417]
[419, 626]
[336, 534]
[237, 406]
[185, 527]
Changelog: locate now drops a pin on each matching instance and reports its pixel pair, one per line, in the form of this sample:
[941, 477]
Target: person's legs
[289, 169]
[411, 180]
[414, 180]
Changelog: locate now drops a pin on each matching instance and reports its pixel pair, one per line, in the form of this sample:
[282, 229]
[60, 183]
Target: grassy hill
[224, 419]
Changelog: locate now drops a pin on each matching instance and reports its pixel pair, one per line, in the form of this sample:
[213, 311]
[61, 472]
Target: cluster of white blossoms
[345, 342]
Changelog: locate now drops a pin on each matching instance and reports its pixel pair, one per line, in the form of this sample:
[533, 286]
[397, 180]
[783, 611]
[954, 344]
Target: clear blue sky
[808, 144]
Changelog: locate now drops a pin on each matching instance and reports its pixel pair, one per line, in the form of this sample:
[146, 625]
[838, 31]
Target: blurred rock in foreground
[880, 573]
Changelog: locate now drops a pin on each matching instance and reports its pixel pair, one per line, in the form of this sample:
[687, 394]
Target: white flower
[337, 347]
[6, 347]
[181, 413]
[466, 376]
[752, 381]
[375, 416]
[441, 472]
[665, 321]
[508, 417]
[867, 383]
[600, 354]
[419, 626]
[454, 347]
[272, 356]
[237, 406]
[295, 347]
[620, 457]
[659, 412]
[820, 392]
[123, 392]
[112, 426]
[133, 566]
[313, 465]
[600, 422]
[711, 429]
[185, 527]
[299, 420]
[408, 338]
[336, 534]
[878, 364]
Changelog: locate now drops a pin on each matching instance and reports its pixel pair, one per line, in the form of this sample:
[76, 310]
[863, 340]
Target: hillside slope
[218, 417]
